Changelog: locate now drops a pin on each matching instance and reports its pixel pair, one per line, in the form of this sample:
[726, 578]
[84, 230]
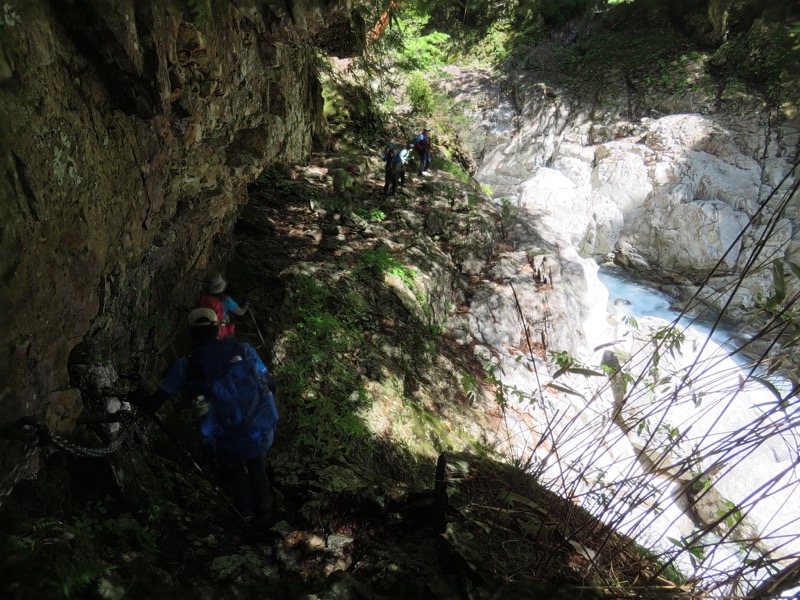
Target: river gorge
[474, 403]
[694, 450]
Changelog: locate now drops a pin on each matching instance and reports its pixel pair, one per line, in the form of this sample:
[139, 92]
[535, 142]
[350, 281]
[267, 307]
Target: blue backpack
[241, 414]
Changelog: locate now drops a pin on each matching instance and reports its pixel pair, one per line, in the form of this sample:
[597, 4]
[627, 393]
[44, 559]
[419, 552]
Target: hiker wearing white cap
[215, 298]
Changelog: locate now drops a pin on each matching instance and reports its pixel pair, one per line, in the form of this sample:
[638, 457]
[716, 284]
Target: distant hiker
[390, 174]
[343, 187]
[422, 144]
[396, 168]
[215, 298]
[402, 158]
[233, 394]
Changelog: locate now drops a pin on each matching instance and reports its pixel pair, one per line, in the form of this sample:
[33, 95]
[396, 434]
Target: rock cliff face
[129, 132]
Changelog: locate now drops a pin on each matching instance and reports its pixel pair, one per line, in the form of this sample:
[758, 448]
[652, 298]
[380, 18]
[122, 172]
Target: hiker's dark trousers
[394, 173]
[424, 159]
[249, 485]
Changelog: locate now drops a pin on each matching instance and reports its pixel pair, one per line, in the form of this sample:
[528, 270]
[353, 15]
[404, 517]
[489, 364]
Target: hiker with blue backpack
[215, 298]
[234, 398]
[422, 145]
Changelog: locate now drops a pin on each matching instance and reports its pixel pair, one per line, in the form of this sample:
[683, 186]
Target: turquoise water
[647, 301]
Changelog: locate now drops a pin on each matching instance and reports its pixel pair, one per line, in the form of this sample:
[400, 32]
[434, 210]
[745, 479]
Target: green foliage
[763, 57]
[379, 261]
[653, 62]
[376, 262]
[508, 207]
[731, 513]
[569, 364]
[669, 338]
[77, 578]
[406, 274]
[484, 31]
[370, 215]
[494, 46]
[626, 378]
[130, 535]
[494, 376]
[673, 433]
[420, 94]
[471, 386]
[688, 543]
[760, 560]
[199, 11]
[779, 305]
[418, 51]
[321, 385]
[155, 513]
[352, 111]
[670, 572]
[443, 164]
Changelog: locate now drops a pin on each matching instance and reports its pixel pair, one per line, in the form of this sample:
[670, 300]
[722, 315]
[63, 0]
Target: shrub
[420, 94]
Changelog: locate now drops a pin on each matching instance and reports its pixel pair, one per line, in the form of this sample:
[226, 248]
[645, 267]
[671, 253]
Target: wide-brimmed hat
[202, 317]
[215, 283]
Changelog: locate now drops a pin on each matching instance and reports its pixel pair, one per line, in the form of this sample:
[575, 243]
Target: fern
[79, 577]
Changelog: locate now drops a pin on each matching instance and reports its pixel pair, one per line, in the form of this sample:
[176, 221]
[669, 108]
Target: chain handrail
[68, 446]
[37, 434]
[18, 470]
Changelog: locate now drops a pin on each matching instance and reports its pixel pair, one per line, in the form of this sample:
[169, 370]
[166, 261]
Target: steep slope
[350, 313]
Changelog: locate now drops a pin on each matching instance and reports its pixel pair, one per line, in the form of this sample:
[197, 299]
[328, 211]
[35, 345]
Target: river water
[646, 301]
[757, 447]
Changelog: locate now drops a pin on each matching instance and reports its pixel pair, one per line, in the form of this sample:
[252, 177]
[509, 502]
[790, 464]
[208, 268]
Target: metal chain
[41, 436]
[73, 448]
[18, 472]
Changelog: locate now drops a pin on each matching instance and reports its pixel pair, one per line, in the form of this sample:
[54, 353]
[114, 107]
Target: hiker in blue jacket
[422, 144]
[234, 396]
